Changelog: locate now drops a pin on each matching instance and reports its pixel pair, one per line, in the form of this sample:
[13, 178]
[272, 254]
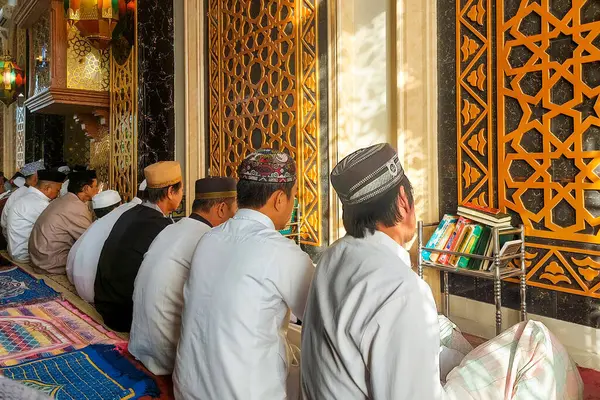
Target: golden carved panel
[41, 48]
[263, 80]
[100, 157]
[548, 129]
[87, 67]
[474, 99]
[123, 126]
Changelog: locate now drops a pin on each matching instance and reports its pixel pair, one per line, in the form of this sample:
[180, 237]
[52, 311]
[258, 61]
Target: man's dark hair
[205, 205]
[17, 175]
[252, 194]
[78, 180]
[156, 195]
[101, 212]
[360, 218]
[142, 194]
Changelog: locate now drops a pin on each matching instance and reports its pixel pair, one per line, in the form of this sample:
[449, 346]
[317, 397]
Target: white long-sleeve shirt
[244, 277]
[20, 220]
[82, 262]
[158, 294]
[370, 330]
[12, 200]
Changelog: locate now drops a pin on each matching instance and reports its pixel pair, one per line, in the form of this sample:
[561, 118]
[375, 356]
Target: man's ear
[221, 209]
[278, 199]
[403, 203]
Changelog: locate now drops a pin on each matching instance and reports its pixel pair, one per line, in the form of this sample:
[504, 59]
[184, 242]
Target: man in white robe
[24, 214]
[244, 278]
[158, 290]
[370, 330]
[30, 172]
[82, 262]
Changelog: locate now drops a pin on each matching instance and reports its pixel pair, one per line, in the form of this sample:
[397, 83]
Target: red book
[454, 240]
[487, 210]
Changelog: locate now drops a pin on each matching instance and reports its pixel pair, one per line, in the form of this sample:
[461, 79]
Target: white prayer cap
[19, 181]
[64, 169]
[143, 185]
[106, 198]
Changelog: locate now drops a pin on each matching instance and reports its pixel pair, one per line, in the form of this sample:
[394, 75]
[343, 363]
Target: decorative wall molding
[65, 101]
[28, 11]
[474, 102]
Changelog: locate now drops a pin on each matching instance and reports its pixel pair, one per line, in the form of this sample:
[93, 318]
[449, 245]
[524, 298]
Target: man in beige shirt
[62, 223]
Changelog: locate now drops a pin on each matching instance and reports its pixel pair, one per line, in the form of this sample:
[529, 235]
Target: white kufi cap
[19, 181]
[106, 198]
[143, 185]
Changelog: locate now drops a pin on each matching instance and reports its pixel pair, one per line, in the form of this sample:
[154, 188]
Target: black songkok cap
[215, 188]
[51, 176]
[367, 174]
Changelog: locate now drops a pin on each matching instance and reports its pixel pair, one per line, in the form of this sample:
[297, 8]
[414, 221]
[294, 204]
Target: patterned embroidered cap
[366, 174]
[32, 168]
[268, 166]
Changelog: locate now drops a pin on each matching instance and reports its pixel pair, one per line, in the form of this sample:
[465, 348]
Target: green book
[482, 243]
[470, 246]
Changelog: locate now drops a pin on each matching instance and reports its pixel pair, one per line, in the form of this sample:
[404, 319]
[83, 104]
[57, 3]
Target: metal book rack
[496, 272]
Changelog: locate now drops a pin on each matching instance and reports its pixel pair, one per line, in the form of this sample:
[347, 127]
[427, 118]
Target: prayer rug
[18, 287]
[96, 372]
[46, 329]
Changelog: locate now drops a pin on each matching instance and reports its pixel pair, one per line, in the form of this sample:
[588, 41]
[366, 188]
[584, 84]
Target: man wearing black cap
[62, 223]
[158, 293]
[23, 215]
[370, 330]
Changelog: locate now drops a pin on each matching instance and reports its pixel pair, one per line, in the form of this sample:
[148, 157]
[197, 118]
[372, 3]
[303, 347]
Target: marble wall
[156, 83]
[44, 138]
[557, 304]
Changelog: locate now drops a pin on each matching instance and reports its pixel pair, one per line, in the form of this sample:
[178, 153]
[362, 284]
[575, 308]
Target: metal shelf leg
[446, 295]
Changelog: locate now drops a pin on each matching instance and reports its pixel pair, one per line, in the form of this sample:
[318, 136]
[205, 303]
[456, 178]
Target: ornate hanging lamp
[13, 80]
[95, 19]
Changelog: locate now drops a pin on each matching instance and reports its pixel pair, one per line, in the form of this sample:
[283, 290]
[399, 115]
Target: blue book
[434, 240]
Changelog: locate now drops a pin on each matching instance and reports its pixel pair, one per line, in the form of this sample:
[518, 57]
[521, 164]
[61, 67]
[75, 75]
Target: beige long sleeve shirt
[55, 232]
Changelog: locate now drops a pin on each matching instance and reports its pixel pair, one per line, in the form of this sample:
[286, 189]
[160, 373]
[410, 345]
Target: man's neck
[397, 234]
[212, 221]
[164, 207]
[82, 197]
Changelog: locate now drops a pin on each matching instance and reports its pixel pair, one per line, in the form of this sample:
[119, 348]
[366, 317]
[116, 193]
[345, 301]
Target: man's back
[12, 200]
[56, 230]
[119, 262]
[82, 262]
[20, 220]
[369, 321]
[158, 295]
[244, 275]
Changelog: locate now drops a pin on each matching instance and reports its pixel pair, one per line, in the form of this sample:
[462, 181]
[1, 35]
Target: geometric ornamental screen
[263, 92]
[548, 56]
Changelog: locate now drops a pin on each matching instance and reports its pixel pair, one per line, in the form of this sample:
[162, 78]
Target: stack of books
[470, 232]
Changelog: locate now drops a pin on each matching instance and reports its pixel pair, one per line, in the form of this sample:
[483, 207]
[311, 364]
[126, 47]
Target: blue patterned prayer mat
[97, 372]
[17, 287]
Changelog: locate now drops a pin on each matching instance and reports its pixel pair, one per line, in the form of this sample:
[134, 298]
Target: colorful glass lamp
[95, 19]
[13, 80]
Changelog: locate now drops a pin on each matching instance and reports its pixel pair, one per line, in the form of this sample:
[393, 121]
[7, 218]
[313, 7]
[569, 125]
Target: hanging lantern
[13, 80]
[95, 19]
